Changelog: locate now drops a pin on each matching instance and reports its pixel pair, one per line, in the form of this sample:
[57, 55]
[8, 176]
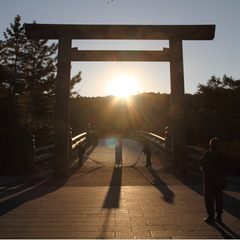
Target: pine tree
[12, 82]
[13, 51]
[28, 83]
[40, 66]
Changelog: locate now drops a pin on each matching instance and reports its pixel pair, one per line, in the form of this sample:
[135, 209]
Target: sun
[122, 86]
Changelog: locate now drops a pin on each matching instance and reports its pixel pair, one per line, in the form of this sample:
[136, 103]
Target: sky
[202, 59]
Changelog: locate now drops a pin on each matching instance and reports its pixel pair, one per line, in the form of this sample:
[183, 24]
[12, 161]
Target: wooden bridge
[42, 158]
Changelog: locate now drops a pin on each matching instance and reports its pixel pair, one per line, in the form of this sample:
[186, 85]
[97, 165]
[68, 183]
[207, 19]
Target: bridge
[107, 200]
[42, 158]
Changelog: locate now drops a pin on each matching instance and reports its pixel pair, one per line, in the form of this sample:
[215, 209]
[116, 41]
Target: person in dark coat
[81, 152]
[213, 165]
[147, 151]
[95, 138]
[89, 138]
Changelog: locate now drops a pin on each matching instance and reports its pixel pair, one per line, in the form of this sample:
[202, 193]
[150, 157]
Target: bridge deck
[105, 153]
[103, 201]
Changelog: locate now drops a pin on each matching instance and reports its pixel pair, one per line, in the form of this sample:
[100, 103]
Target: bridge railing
[75, 141]
[41, 158]
[157, 142]
[163, 146]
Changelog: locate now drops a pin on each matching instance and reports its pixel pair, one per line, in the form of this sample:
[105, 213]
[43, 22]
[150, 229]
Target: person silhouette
[213, 165]
[81, 152]
[147, 151]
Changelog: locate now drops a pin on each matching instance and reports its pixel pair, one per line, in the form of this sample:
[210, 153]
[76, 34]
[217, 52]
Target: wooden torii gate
[174, 33]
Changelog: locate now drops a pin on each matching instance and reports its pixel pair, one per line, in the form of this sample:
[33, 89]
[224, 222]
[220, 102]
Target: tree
[12, 82]
[27, 88]
[219, 101]
[74, 80]
[40, 67]
[12, 53]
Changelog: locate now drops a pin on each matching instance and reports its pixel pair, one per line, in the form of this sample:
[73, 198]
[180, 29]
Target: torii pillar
[174, 33]
[62, 119]
[179, 138]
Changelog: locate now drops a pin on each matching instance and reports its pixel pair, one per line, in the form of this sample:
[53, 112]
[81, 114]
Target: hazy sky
[202, 59]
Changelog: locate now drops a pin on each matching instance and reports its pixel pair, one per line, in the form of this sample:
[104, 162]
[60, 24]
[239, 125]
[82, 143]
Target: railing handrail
[47, 152]
[36, 150]
[158, 142]
[152, 134]
[43, 148]
[78, 136]
[194, 153]
[201, 150]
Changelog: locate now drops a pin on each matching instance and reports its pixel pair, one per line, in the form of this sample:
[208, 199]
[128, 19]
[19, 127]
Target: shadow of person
[168, 195]
[231, 204]
[223, 225]
[226, 232]
[88, 152]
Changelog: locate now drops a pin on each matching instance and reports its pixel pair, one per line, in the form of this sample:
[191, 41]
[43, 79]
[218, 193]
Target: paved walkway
[103, 201]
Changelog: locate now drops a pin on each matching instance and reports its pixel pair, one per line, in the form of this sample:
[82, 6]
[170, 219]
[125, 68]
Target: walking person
[81, 152]
[147, 151]
[213, 165]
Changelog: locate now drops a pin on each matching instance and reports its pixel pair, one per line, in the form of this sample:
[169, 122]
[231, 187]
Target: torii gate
[174, 33]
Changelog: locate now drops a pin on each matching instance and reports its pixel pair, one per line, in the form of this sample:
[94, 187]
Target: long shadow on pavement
[113, 196]
[168, 195]
[26, 189]
[159, 184]
[231, 204]
[88, 152]
[223, 229]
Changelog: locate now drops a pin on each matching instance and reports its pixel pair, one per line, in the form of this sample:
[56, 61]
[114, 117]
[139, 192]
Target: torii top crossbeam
[147, 32]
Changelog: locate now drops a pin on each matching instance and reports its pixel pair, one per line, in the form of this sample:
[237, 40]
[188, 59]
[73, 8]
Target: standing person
[213, 165]
[81, 151]
[147, 151]
[89, 139]
[95, 138]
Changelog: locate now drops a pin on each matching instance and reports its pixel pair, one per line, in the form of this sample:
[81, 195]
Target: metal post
[61, 145]
[179, 141]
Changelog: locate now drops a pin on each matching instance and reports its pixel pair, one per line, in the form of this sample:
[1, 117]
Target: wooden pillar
[179, 141]
[61, 142]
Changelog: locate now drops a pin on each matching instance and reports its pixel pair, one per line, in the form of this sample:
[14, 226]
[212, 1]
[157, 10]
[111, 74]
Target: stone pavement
[104, 201]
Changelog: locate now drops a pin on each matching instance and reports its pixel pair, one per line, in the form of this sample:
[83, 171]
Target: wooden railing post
[31, 154]
[70, 142]
[167, 141]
